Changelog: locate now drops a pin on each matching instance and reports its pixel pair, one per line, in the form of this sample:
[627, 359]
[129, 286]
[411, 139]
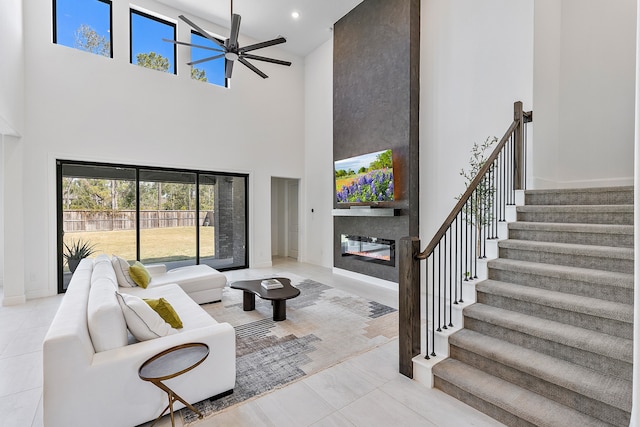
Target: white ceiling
[267, 19]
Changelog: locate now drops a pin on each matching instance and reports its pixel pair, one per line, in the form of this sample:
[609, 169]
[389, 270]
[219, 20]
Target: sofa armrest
[119, 397]
[156, 269]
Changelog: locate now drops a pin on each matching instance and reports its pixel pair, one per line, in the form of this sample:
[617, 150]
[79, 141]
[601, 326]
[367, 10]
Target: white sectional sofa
[91, 362]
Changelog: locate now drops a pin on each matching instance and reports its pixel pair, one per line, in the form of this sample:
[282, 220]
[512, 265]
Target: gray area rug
[324, 326]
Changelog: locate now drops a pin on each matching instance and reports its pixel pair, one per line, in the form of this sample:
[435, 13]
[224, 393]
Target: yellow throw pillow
[164, 309]
[139, 274]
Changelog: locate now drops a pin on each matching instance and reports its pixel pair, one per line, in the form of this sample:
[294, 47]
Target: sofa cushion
[143, 323]
[102, 269]
[107, 327]
[139, 274]
[121, 268]
[165, 310]
[192, 278]
[191, 314]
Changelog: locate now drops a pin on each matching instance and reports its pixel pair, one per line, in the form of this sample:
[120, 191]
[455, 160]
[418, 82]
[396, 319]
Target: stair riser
[587, 405]
[579, 238]
[598, 362]
[575, 287]
[481, 405]
[582, 320]
[606, 197]
[577, 217]
[572, 260]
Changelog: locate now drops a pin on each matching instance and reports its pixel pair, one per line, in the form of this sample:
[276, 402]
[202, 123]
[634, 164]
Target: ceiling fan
[231, 50]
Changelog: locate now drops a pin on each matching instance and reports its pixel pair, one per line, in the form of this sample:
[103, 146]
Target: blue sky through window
[146, 37]
[214, 69]
[70, 14]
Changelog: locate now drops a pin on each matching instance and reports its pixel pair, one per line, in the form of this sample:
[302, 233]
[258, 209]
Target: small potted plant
[75, 251]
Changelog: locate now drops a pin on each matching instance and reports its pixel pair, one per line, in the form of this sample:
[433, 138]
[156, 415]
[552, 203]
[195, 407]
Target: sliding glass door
[223, 221]
[168, 217]
[174, 217]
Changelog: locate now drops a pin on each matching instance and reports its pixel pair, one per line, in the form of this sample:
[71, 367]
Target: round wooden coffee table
[169, 364]
[278, 297]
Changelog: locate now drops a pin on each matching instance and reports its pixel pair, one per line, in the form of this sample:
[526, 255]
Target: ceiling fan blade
[252, 68]
[193, 45]
[201, 31]
[262, 58]
[211, 58]
[228, 69]
[273, 42]
[235, 30]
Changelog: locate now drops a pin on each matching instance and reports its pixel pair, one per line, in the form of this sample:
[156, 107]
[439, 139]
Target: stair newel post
[518, 167]
[409, 303]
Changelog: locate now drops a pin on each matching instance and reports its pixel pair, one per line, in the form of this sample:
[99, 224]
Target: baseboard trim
[17, 300]
[364, 278]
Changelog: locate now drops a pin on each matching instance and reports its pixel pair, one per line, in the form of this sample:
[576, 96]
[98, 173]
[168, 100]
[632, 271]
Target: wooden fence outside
[126, 220]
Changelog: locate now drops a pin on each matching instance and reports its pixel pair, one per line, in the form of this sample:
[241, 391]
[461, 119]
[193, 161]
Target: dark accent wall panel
[376, 84]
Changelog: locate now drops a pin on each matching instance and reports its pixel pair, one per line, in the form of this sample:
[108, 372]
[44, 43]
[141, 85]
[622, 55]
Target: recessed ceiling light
[295, 15]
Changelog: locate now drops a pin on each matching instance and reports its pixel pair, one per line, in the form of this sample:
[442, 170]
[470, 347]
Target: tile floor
[365, 390]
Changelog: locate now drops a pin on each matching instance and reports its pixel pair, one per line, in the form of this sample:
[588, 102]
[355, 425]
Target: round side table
[169, 364]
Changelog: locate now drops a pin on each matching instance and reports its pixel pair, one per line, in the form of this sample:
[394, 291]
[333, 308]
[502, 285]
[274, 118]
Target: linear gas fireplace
[371, 249]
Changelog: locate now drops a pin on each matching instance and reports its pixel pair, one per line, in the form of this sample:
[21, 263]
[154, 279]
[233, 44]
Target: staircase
[549, 341]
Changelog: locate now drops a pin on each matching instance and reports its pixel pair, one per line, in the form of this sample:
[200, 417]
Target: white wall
[11, 123]
[318, 184]
[12, 69]
[584, 80]
[476, 61]
[86, 107]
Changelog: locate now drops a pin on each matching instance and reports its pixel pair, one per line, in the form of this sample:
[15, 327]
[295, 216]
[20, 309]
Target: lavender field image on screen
[365, 178]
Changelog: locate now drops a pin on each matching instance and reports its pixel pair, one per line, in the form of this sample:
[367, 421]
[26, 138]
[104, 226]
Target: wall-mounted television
[366, 178]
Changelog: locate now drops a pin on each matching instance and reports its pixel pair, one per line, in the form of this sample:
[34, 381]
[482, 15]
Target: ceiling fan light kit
[231, 50]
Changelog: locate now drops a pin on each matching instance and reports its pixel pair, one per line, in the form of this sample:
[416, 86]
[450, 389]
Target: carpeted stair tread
[575, 227]
[588, 256]
[559, 300]
[568, 335]
[569, 249]
[582, 214]
[591, 234]
[583, 196]
[603, 388]
[598, 277]
[576, 208]
[525, 404]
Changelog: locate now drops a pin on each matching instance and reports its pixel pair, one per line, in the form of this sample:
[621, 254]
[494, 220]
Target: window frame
[60, 163]
[221, 40]
[55, 26]
[173, 25]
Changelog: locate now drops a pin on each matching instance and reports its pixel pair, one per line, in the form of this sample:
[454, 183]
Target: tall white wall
[476, 61]
[12, 69]
[11, 126]
[86, 107]
[318, 183]
[584, 85]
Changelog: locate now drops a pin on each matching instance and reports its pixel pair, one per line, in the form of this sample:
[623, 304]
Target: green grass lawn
[168, 244]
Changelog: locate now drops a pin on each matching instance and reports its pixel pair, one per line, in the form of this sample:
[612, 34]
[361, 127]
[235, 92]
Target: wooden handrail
[520, 117]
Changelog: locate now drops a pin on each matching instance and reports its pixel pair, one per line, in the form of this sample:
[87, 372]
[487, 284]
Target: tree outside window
[147, 48]
[83, 25]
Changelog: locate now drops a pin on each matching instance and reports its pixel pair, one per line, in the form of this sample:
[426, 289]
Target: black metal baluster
[426, 306]
[433, 304]
[466, 241]
[443, 299]
[450, 279]
[456, 269]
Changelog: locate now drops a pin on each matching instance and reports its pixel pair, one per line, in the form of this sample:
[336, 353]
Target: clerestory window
[83, 25]
[211, 71]
[147, 48]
